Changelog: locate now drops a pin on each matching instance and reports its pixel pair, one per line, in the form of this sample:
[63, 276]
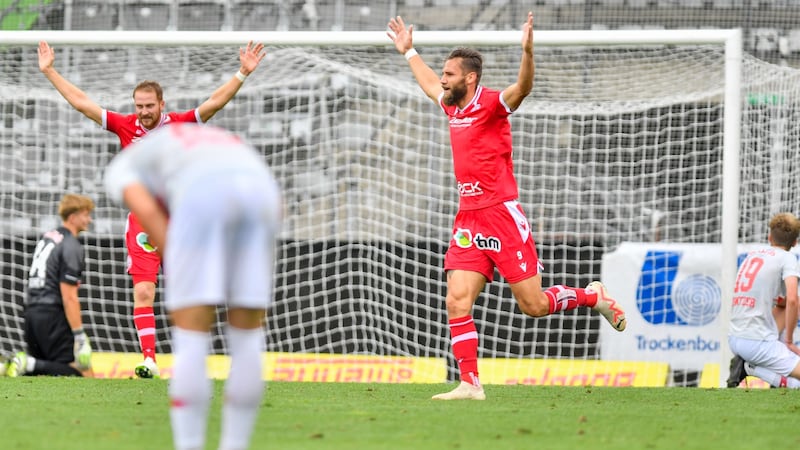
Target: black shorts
[48, 334]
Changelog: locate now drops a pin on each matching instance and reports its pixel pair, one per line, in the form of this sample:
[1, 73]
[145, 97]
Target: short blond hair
[72, 203]
[150, 86]
[784, 229]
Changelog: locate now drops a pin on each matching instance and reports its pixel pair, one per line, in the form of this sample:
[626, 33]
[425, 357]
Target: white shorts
[221, 243]
[772, 355]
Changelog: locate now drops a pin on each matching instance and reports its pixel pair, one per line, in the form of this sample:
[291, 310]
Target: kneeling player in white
[755, 334]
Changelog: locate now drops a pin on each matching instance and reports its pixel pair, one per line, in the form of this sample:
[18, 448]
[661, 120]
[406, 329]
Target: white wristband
[410, 54]
[240, 76]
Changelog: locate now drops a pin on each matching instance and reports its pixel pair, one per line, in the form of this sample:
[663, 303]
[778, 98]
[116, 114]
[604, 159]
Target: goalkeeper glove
[82, 349]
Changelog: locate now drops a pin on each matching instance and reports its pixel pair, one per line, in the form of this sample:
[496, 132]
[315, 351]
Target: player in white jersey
[213, 208]
[765, 300]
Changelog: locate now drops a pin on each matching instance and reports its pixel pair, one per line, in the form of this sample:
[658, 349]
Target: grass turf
[88, 414]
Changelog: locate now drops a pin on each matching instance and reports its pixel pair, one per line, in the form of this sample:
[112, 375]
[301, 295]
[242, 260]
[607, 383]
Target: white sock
[244, 387]
[773, 378]
[30, 364]
[189, 388]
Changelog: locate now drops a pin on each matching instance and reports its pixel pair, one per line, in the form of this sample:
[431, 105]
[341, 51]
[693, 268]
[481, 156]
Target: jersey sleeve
[791, 267]
[111, 120]
[193, 115]
[72, 262]
[501, 108]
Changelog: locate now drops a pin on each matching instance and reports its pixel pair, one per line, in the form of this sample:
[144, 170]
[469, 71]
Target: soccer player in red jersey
[490, 228]
[143, 261]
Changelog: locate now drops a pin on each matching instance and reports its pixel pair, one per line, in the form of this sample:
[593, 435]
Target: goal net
[618, 142]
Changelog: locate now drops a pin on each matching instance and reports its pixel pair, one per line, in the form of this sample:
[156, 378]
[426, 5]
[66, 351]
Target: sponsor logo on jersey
[470, 189]
[461, 122]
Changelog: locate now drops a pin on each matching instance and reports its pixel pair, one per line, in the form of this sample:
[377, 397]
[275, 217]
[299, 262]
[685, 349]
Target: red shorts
[497, 236]
[143, 260]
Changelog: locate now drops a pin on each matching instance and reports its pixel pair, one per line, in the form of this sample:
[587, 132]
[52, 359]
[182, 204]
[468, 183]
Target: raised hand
[527, 34]
[250, 57]
[46, 56]
[400, 35]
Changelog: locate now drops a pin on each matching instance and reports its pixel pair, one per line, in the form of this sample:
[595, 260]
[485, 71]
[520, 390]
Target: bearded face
[454, 82]
[148, 108]
[455, 93]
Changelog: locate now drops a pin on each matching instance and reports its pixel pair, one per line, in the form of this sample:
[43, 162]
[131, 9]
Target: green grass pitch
[88, 414]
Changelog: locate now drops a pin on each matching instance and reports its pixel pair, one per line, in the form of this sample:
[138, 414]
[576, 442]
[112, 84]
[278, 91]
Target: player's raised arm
[74, 96]
[249, 58]
[516, 93]
[403, 42]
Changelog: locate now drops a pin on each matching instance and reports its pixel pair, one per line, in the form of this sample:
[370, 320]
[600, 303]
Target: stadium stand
[257, 15]
[201, 15]
[147, 15]
[770, 28]
[25, 14]
[93, 15]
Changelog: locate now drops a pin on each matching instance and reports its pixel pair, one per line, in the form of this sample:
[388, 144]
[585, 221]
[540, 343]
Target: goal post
[620, 127]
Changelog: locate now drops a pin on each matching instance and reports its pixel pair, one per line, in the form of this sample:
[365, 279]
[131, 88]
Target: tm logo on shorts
[695, 300]
[465, 239]
[143, 241]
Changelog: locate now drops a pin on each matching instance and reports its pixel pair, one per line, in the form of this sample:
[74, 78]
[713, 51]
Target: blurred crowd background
[771, 28]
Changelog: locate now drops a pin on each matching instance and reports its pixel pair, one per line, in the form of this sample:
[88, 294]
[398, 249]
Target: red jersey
[129, 130]
[480, 136]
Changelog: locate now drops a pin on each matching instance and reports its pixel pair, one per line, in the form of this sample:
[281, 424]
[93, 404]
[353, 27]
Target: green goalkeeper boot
[18, 365]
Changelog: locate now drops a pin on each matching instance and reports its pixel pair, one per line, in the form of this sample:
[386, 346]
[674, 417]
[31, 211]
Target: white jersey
[224, 213]
[759, 283]
[176, 156]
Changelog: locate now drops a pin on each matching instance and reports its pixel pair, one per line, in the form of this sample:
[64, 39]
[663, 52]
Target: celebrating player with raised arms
[490, 229]
[143, 262]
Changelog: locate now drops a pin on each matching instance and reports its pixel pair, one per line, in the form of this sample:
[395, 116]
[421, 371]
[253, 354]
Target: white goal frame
[731, 39]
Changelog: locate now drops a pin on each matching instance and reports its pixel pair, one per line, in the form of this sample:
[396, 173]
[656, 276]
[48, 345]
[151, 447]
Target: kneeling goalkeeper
[57, 344]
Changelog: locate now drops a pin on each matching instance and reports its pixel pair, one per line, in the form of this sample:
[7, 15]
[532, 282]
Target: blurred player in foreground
[143, 261]
[758, 330]
[213, 209]
[54, 335]
[490, 228]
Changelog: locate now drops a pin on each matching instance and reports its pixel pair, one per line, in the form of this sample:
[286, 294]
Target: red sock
[564, 298]
[464, 339]
[145, 322]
